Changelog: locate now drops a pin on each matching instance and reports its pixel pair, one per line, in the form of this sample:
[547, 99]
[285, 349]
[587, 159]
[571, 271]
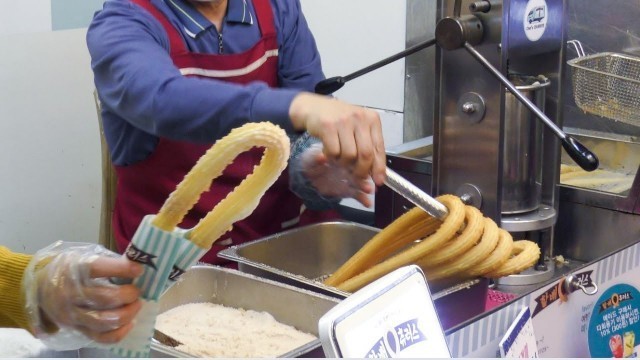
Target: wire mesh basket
[608, 85]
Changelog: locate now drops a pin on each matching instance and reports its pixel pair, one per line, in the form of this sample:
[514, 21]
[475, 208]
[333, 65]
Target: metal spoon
[165, 339]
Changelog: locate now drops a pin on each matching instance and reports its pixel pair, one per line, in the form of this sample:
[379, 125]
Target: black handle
[329, 86]
[580, 154]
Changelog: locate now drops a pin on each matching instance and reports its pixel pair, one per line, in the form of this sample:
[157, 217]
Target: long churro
[498, 257]
[473, 227]
[244, 199]
[446, 231]
[475, 255]
[465, 245]
[525, 254]
[410, 226]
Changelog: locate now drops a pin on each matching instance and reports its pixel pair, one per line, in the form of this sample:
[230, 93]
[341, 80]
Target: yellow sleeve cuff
[12, 300]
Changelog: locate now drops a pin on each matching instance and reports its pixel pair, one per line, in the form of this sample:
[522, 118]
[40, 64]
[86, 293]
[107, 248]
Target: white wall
[49, 141]
[49, 144]
[352, 34]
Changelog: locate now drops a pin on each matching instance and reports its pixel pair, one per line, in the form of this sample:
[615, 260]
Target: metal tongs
[418, 197]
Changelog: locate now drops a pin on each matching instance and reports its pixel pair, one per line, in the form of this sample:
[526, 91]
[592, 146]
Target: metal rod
[418, 197]
[530, 105]
[390, 59]
[457, 8]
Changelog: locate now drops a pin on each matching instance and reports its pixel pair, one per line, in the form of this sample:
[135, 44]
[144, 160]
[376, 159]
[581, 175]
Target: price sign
[391, 317]
[520, 340]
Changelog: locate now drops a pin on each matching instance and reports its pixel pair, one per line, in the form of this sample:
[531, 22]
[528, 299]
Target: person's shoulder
[117, 4]
[285, 6]
[120, 8]
[116, 12]
[119, 17]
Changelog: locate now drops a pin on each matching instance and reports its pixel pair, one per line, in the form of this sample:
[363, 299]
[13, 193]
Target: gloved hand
[352, 135]
[331, 179]
[70, 300]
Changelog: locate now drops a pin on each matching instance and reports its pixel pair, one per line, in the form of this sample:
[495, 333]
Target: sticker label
[535, 19]
[396, 340]
[614, 323]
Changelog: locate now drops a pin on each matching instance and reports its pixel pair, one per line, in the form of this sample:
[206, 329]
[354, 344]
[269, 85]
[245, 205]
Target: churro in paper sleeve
[167, 251]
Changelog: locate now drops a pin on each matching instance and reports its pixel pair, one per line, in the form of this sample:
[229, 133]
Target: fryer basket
[608, 85]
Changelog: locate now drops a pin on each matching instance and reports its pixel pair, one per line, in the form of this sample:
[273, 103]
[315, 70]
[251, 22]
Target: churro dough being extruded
[525, 254]
[465, 245]
[485, 246]
[244, 199]
[434, 240]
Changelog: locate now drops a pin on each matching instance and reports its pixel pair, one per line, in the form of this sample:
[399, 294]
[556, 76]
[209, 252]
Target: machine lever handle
[580, 154]
[586, 159]
[333, 84]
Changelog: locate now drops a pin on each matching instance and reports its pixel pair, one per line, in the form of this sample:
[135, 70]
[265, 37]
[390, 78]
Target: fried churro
[244, 199]
[465, 245]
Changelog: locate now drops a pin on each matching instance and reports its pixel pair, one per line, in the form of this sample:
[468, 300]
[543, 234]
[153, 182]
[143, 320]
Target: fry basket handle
[577, 46]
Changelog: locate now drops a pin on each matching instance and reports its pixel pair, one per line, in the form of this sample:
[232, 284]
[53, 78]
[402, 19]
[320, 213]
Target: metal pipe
[333, 84]
[418, 197]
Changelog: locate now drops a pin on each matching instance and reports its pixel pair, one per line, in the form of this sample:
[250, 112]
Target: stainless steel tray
[289, 305]
[305, 256]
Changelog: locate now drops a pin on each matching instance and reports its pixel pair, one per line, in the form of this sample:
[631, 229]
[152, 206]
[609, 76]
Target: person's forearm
[12, 302]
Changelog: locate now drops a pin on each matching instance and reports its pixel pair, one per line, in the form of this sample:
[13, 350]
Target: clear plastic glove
[351, 135]
[70, 300]
[333, 180]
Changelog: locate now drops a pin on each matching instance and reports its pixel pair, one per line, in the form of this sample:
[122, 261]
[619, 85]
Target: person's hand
[71, 291]
[330, 179]
[351, 135]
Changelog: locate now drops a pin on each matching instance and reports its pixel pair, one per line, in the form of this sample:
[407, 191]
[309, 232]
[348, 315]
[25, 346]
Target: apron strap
[265, 17]
[176, 44]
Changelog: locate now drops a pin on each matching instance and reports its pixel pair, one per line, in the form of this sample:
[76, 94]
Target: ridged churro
[465, 245]
[525, 253]
[475, 255]
[244, 199]
[446, 231]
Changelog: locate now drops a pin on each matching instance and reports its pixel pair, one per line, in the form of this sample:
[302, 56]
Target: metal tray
[289, 305]
[305, 256]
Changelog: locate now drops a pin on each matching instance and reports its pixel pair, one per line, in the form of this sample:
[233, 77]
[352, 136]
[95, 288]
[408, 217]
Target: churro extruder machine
[512, 84]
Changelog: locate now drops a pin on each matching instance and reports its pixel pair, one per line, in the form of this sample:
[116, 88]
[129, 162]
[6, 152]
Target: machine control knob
[453, 33]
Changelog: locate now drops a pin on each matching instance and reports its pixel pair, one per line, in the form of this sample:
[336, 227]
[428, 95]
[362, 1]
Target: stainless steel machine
[492, 150]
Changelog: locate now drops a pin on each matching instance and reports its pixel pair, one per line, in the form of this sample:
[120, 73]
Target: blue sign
[614, 323]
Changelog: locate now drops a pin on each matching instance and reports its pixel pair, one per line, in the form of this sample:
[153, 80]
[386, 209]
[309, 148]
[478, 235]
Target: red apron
[143, 187]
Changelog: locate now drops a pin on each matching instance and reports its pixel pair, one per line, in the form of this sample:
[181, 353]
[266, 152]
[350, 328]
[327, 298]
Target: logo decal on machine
[535, 19]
